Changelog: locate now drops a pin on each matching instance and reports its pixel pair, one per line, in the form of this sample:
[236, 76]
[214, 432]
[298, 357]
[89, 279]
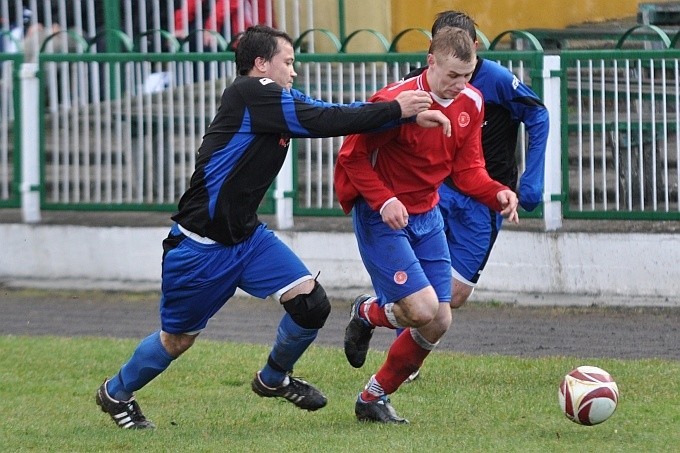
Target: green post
[112, 22]
[341, 20]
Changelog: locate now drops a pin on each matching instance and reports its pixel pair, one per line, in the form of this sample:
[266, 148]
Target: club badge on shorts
[400, 277]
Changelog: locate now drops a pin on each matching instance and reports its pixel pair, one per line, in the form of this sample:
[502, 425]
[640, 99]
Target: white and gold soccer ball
[588, 395]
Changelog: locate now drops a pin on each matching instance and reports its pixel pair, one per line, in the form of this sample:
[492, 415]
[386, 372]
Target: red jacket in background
[215, 19]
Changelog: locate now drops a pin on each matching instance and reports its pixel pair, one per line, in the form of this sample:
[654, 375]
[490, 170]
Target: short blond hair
[455, 42]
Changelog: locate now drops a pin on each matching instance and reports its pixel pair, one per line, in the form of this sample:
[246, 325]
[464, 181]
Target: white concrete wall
[605, 264]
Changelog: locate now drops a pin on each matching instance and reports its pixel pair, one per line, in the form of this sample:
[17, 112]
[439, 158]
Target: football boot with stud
[380, 411]
[125, 414]
[301, 393]
[358, 334]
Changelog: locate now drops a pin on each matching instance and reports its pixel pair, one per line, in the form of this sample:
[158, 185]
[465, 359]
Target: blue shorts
[471, 230]
[402, 262]
[198, 279]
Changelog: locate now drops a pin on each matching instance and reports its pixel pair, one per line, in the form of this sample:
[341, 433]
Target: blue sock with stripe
[291, 342]
[148, 361]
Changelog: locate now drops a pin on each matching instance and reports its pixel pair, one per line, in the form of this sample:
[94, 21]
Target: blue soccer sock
[148, 361]
[291, 342]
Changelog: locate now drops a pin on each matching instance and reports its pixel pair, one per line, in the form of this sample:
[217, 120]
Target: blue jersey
[246, 144]
[507, 103]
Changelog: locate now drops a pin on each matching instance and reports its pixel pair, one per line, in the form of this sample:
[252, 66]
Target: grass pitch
[203, 402]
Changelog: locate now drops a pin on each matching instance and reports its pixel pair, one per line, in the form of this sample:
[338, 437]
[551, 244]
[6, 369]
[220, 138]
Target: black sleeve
[273, 109]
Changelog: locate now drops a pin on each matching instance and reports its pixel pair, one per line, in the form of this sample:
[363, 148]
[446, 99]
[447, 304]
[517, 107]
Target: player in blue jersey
[218, 244]
[472, 228]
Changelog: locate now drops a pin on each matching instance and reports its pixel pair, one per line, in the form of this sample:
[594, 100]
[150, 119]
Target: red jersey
[411, 162]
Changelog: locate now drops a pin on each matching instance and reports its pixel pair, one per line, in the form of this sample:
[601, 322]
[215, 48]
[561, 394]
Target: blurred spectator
[44, 22]
[12, 28]
[88, 19]
[146, 16]
[242, 14]
[17, 26]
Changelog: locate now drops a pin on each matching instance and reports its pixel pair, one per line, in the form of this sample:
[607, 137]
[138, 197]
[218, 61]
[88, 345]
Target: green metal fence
[112, 142]
[10, 129]
[620, 142]
[119, 131]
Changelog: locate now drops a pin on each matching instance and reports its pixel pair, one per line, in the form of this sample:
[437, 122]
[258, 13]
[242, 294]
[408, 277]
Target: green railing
[115, 137]
[102, 148]
[10, 129]
[119, 131]
[620, 143]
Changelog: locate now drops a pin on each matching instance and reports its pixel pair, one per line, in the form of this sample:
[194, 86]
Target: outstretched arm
[413, 102]
[525, 106]
[307, 117]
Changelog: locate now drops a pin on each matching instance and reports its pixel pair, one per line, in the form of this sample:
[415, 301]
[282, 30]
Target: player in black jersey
[218, 244]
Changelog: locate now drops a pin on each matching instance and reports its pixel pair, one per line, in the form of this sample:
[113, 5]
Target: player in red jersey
[389, 181]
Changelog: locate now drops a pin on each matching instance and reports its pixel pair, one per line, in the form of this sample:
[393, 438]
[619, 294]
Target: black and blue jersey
[507, 103]
[245, 146]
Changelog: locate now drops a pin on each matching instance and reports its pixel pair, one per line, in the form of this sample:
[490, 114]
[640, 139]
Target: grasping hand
[434, 118]
[413, 102]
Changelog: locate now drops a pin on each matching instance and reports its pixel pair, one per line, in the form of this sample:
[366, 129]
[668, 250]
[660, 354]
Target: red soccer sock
[404, 357]
[375, 314]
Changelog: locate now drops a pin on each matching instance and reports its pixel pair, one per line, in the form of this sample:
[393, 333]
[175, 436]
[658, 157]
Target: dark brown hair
[259, 41]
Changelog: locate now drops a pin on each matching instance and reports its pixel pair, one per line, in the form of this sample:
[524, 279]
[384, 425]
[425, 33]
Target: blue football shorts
[402, 262]
[471, 230]
[198, 278]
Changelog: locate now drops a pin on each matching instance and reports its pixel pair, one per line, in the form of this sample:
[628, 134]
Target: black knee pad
[309, 310]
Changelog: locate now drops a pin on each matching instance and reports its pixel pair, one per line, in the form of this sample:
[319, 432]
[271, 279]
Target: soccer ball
[588, 395]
